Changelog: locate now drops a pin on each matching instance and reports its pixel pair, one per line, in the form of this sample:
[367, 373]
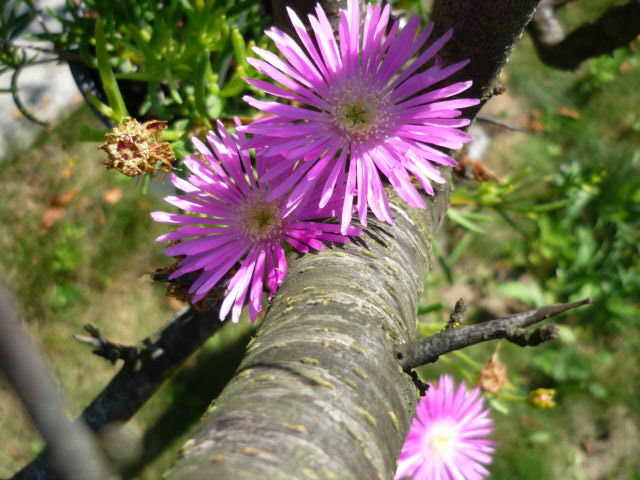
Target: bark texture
[319, 391]
[320, 394]
[484, 32]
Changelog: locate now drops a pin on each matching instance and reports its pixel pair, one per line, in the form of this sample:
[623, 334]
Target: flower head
[133, 148]
[364, 113]
[446, 439]
[237, 222]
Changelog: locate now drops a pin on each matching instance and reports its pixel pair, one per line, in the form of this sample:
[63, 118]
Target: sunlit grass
[78, 247]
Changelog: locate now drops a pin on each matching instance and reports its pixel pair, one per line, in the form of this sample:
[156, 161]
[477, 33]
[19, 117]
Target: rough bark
[613, 29]
[485, 33]
[320, 394]
[137, 381]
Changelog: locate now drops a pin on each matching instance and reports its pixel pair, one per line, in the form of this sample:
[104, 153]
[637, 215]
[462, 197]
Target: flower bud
[542, 398]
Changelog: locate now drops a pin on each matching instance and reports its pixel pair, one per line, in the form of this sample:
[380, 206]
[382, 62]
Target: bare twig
[498, 123]
[613, 29]
[71, 448]
[137, 381]
[107, 349]
[427, 350]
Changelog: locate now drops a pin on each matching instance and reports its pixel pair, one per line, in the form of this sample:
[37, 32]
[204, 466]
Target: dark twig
[71, 448]
[613, 29]
[137, 381]
[458, 316]
[427, 350]
[107, 349]
[498, 123]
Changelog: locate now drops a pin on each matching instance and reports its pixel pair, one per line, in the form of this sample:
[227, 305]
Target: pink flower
[364, 111]
[238, 223]
[446, 440]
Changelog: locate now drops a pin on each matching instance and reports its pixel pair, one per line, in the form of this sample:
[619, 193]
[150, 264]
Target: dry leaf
[112, 195]
[568, 112]
[51, 216]
[62, 199]
[175, 304]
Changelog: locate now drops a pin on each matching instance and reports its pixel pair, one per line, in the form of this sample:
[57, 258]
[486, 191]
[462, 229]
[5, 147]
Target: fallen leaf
[51, 216]
[112, 195]
[62, 199]
[66, 172]
[568, 112]
[175, 304]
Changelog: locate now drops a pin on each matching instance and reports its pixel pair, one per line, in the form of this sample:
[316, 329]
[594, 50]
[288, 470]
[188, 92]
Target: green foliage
[172, 61]
[603, 70]
[190, 55]
[575, 209]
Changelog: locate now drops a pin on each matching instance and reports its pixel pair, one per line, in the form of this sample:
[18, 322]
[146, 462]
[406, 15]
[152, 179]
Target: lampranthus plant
[366, 108]
[235, 227]
[447, 438]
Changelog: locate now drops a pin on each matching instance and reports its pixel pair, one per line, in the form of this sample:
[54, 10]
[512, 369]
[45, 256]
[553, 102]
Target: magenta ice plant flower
[366, 108]
[232, 222]
[447, 438]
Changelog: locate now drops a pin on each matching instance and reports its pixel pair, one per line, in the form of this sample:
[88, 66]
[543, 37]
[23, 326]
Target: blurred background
[545, 212]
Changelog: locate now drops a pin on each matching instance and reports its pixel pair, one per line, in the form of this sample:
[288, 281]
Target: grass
[78, 248]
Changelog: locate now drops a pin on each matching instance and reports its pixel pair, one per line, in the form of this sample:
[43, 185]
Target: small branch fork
[455, 337]
[115, 351]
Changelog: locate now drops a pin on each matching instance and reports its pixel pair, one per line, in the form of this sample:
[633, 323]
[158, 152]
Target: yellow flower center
[358, 113]
[259, 219]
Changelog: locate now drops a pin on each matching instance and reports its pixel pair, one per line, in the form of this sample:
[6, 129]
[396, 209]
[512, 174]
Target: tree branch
[427, 350]
[502, 22]
[613, 29]
[106, 348]
[138, 380]
[319, 393]
[73, 452]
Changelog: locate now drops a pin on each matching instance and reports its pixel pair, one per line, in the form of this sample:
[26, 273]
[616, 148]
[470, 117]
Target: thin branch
[615, 28]
[72, 450]
[513, 328]
[498, 123]
[138, 380]
[108, 349]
